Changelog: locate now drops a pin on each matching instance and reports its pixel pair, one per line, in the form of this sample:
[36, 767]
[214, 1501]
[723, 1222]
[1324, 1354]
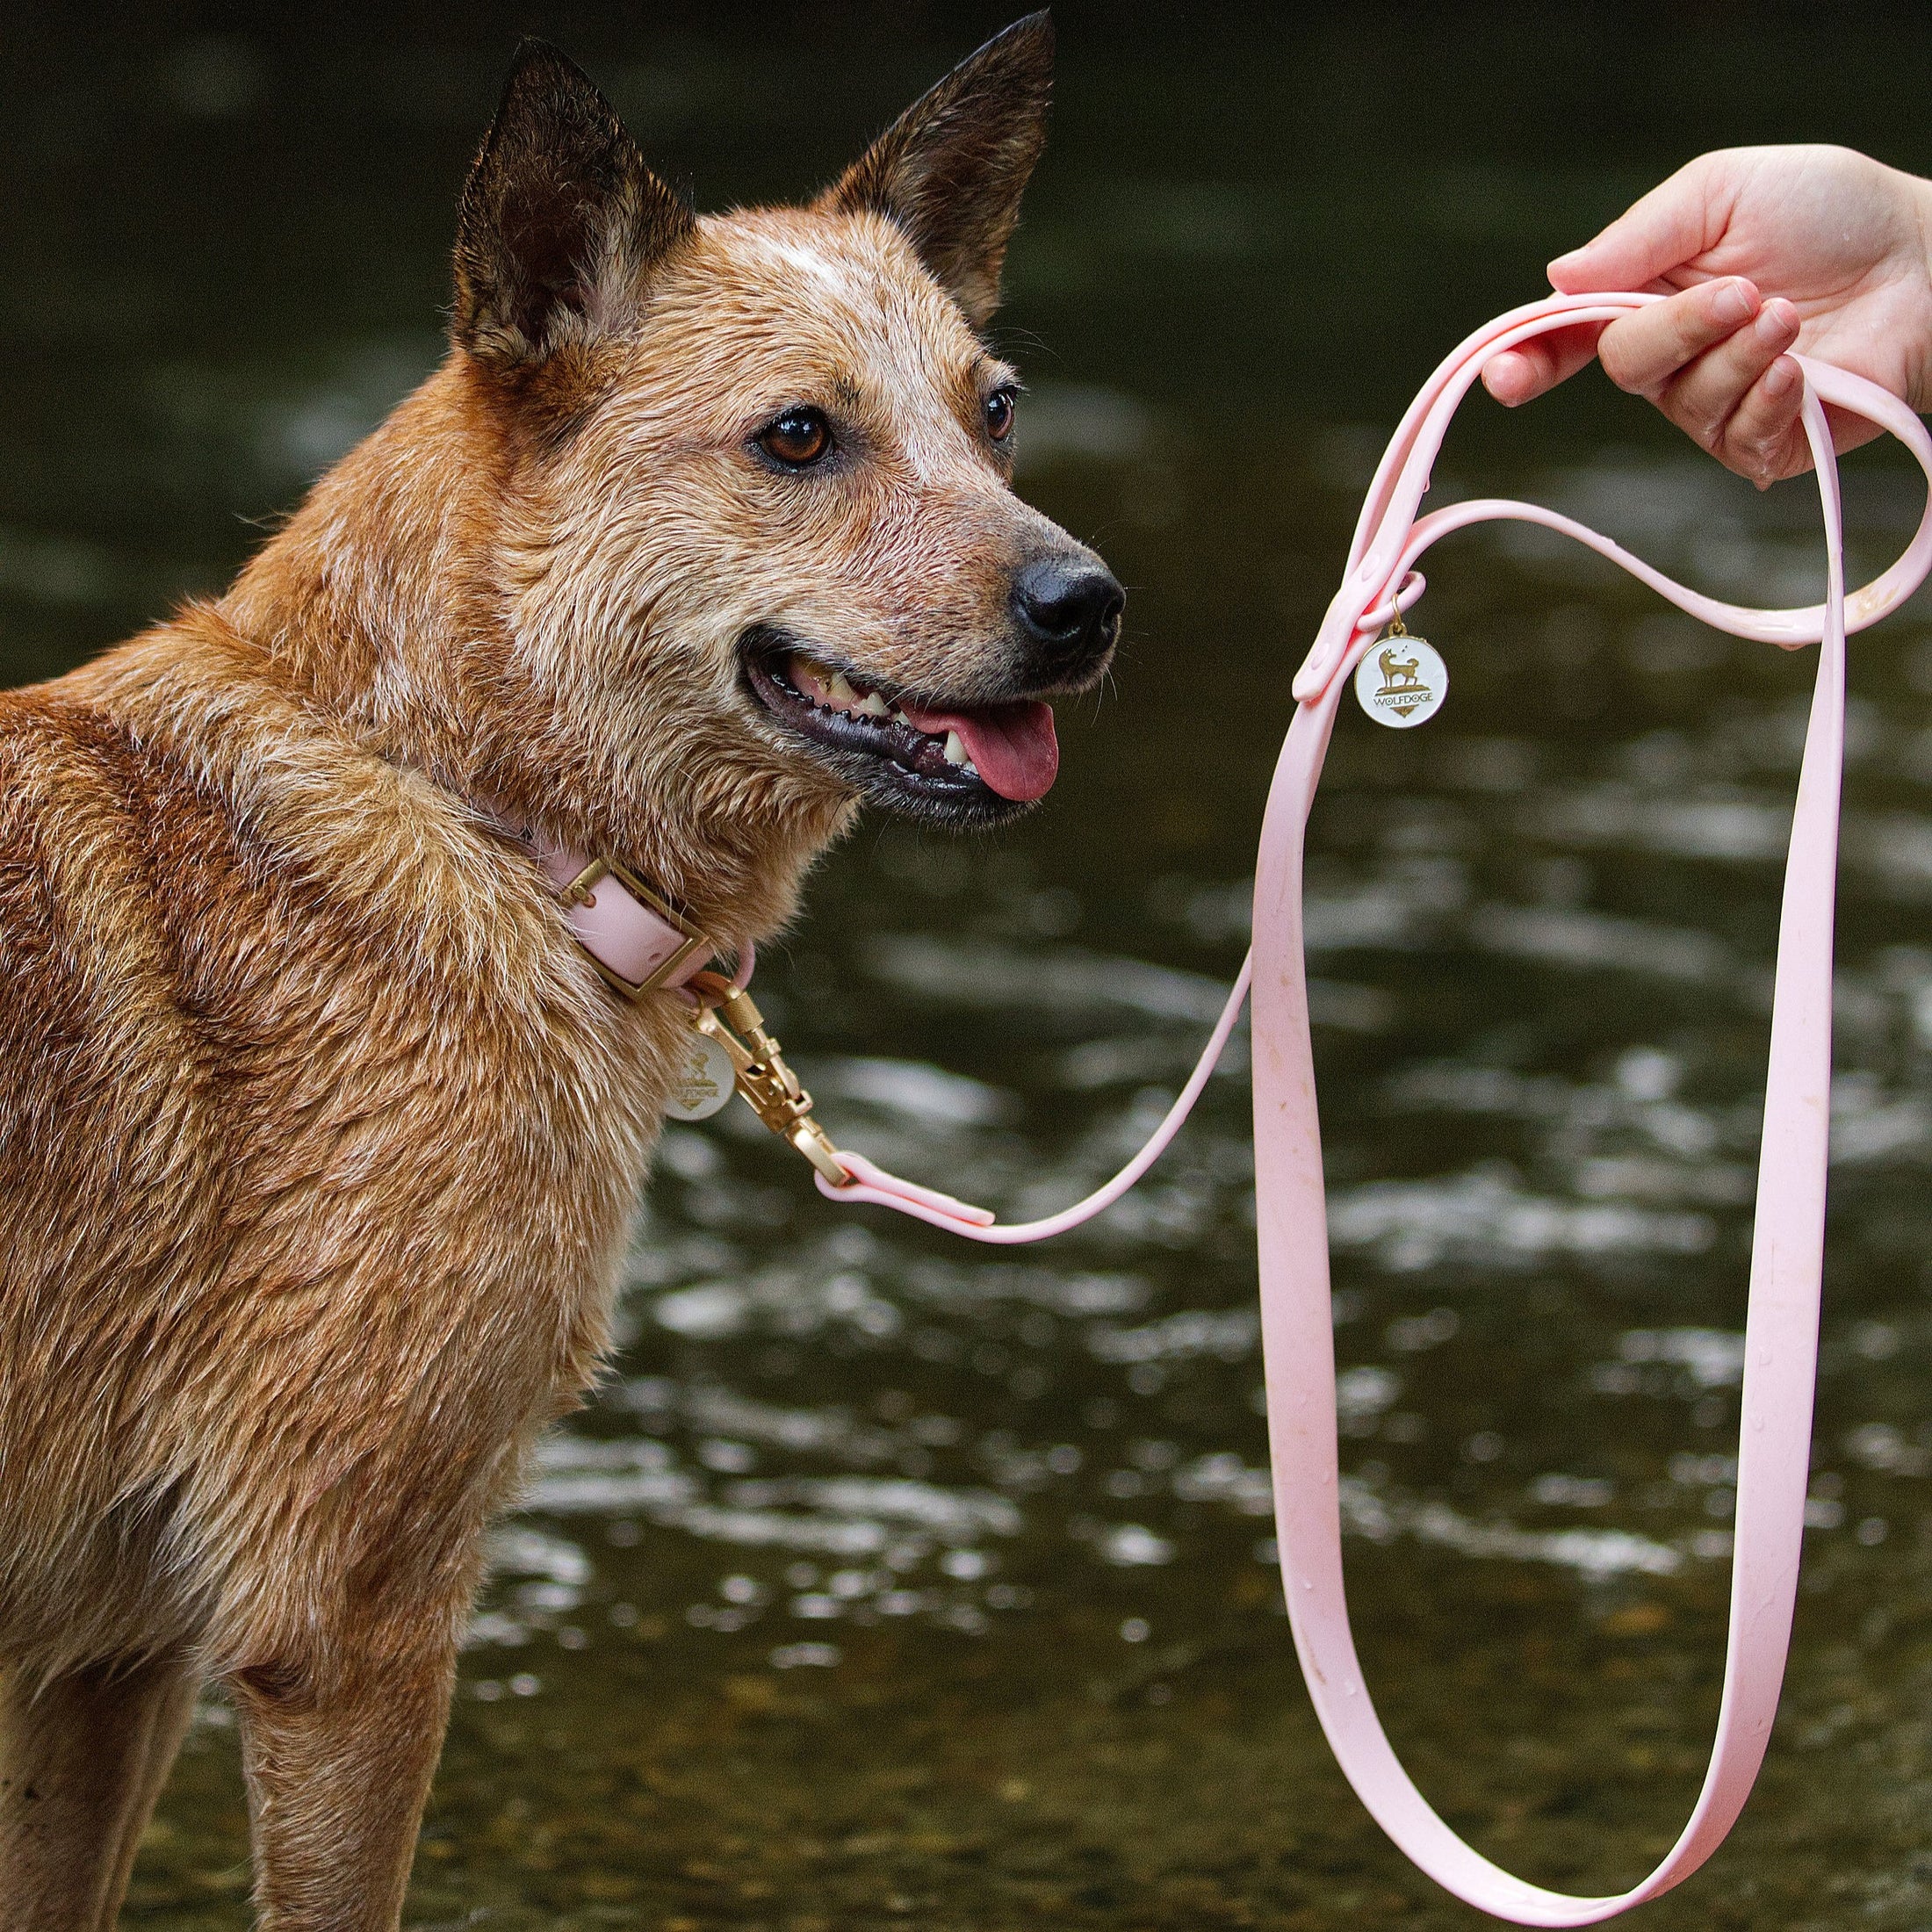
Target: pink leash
[1781, 1331]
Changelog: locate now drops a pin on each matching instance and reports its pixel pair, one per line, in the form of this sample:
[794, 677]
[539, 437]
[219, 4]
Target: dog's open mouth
[979, 761]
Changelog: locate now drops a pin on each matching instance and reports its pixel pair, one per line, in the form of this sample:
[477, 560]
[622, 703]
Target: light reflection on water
[890, 1582]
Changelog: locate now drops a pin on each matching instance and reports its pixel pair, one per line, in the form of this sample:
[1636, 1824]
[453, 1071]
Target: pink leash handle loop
[1781, 1328]
[1781, 1332]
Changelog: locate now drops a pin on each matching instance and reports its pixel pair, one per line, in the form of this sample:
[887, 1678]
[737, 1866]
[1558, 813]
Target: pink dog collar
[1781, 1331]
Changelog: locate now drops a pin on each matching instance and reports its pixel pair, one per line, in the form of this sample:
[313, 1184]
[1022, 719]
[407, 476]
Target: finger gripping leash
[1781, 1329]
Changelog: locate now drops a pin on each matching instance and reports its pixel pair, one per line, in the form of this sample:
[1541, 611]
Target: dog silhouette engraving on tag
[1402, 681]
[704, 1080]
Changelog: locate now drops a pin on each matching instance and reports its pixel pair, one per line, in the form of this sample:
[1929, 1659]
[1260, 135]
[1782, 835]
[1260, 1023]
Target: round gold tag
[1402, 681]
[704, 1083]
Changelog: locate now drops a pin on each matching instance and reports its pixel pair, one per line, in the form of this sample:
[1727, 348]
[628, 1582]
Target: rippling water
[890, 1582]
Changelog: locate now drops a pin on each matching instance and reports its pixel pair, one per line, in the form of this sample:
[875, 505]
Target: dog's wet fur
[320, 1138]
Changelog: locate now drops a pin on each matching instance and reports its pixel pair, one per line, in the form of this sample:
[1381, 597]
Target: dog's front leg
[339, 1758]
[82, 1758]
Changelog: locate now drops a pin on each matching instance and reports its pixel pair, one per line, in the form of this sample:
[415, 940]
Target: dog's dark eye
[797, 439]
[999, 413]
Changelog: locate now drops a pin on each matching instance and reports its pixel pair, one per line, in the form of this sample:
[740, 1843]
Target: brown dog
[319, 1134]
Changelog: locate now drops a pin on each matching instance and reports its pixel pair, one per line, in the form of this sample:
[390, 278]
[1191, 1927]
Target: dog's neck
[384, 600]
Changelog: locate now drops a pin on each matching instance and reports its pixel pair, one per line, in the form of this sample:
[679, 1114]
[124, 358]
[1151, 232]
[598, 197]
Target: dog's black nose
[1071, 608]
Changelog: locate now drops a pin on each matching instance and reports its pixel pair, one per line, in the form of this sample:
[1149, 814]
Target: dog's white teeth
[838, 689]
[955, 749]
[899, 716]
[872, 705]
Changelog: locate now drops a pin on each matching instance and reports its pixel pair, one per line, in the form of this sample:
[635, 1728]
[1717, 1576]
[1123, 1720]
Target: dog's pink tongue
[1013, 745]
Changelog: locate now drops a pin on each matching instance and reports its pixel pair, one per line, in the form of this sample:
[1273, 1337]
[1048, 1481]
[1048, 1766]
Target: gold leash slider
[729, 1015]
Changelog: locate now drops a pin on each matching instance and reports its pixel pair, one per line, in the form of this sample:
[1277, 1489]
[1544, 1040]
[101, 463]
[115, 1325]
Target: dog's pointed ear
[949, 171]
[561, 222]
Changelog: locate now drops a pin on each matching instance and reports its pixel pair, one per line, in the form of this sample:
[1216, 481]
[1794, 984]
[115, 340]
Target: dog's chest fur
[322, 1142]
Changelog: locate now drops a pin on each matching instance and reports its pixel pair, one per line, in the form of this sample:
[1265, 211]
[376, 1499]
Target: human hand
[1837, 243]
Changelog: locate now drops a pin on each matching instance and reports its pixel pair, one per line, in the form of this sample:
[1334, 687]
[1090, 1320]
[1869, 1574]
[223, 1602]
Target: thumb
[1670, 226]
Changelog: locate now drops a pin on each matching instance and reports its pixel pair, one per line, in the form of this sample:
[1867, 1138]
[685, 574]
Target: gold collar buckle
[697, 945]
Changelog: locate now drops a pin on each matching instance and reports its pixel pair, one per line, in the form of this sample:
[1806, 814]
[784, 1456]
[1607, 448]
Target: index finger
[1671, 225]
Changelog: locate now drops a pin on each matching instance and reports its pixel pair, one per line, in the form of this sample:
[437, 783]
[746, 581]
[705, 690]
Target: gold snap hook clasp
[730, 1016]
